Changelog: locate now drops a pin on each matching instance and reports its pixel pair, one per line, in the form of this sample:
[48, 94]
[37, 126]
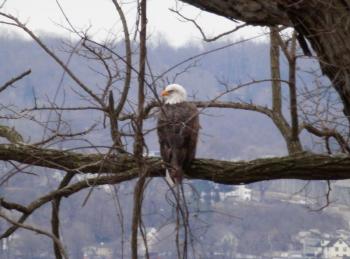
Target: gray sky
[44, 16]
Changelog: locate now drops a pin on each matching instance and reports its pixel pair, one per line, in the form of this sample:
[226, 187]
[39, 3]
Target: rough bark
[55, 218]
[255, 12]
[136, 221]
[275, 71]
[325, 23]
[289, 132]
[303, 166]
[139, 138]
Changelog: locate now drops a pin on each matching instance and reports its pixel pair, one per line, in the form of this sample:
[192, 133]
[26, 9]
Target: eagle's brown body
[178, 126]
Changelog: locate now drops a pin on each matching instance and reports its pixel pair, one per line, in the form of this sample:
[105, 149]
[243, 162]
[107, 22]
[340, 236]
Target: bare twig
[3, 3]
[63, 192]
[199, 28]
[39, 231]
[13, 80]
[327, 133]
[128, 60]
[53, 56]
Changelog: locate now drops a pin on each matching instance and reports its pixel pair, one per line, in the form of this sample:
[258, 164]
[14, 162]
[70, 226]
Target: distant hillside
[224, 133]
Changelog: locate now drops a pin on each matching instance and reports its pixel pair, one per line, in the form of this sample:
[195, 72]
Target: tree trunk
[289, 132]
[294, 146]
[325, 23]
[275, 71]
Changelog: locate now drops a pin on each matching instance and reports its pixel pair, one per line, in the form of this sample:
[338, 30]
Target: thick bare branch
[275, 71]
[235, 105]
[55, 219]
[64, 160]
[13, 206]
[139, 137]
[303, 166]
[294, 138]
[10, 134]
[255, 12]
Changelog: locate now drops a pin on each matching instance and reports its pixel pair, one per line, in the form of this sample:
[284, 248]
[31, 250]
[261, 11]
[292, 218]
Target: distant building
[241, 193]
[322, 245]
[337, 248]
[100, 251]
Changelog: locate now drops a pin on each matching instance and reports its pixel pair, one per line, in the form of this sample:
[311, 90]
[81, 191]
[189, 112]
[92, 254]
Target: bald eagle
[178, 125]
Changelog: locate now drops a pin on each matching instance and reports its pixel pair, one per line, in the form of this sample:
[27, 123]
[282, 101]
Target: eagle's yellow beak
[164, 93]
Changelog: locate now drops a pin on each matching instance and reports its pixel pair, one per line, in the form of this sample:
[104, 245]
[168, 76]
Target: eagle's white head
[174, 93]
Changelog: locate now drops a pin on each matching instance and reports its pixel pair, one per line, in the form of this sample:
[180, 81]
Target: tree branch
[234, 105]
[10, 134]
[13, 80]
[328, 133]
[53, 56]
[39, 231]
[136, 220]
[199, 28]
[55, 219]
[319, 21]
[303, 166]
[63, 192]
[254, 12]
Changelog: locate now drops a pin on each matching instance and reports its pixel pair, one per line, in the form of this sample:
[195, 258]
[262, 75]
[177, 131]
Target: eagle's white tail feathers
[169, 179]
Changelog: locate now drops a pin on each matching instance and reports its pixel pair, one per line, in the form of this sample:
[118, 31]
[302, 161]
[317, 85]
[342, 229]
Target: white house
[242, 193]
[337, 248]
[97, 251]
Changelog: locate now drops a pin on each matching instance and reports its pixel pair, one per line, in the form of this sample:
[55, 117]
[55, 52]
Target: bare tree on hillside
[323, 23]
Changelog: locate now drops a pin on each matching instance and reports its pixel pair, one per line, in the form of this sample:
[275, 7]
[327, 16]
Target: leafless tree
[319, 21]
[113, 109]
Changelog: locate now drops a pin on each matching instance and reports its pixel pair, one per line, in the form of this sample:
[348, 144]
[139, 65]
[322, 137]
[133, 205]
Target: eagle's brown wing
[178, 126]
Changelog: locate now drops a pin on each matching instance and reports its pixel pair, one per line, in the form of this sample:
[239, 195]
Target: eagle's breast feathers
[178, 126]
